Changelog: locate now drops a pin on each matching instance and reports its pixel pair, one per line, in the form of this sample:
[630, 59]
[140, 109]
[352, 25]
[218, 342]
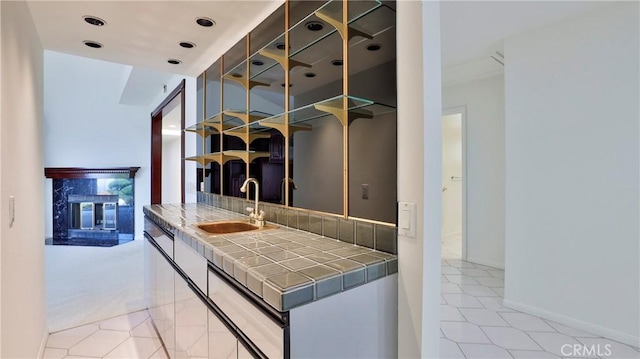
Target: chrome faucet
[255, 216]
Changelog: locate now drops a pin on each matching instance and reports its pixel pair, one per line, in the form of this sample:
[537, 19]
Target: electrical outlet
[365, 191]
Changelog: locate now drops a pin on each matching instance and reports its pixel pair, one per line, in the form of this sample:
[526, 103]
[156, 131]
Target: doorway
[167, 148]
[454, 184]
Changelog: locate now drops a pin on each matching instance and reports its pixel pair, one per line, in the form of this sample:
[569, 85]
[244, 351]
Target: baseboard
[43, 343]
[485, 263]
[574, 323]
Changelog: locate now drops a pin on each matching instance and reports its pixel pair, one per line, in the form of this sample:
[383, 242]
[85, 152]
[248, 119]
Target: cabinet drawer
[165, 241]
[257, 326]
[192, 264]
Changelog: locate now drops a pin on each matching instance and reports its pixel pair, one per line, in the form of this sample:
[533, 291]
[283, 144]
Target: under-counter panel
[253, 322]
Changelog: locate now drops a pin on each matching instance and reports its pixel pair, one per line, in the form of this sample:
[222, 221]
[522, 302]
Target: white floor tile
[444, 279]
[450, 288]
[483, 317]
[460, 263]
[494, 303]
[460, 279]
[499, 291]
[145, 330]
[135, 348]
[449, 349]
[462, 300]
[498, 273]
[99, 343]
[54, 353]
[474, 272]
[511, 338]
[478, 290]
[160, 354]
[442, 301]
[609, 348]
[484, 351]
[463, 332]
[528, 354]
[527, 322]
[125, 322]
[570, 331]
[553, 342]
[491, 282]
[68, 338]
[450, 314]
[450, 270]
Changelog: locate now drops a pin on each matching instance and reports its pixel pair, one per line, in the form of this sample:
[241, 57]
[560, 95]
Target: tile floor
[126, 337]
[474, 324]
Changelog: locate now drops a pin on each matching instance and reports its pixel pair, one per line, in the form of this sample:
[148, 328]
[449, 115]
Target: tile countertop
[283, 266]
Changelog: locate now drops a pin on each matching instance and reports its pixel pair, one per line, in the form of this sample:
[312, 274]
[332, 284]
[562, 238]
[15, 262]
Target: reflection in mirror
[316, 165]
[372, 138]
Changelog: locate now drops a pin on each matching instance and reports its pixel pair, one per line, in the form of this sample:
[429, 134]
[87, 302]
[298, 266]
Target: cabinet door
[159, 292]
[191, 322]
[222, 342]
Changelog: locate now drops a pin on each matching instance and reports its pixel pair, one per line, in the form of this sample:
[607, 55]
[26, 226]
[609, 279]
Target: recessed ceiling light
[257, 62]
[374, 47]
[282, 84]
[336, 62]
[92, 44]
[187, 44]
[172, 126]
[236, 75]
[96, 21]
[314, 26]
[310, 74]
[280, 46]
[205, 22]
[174, 61]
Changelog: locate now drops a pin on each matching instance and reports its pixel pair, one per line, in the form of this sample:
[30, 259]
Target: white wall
[572, 172]
[419, 176]
[452, 168]
[21, 175]
[483, 100]
[86, 126]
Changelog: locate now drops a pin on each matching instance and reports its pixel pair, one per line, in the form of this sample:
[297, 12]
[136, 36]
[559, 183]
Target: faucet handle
[261, 215]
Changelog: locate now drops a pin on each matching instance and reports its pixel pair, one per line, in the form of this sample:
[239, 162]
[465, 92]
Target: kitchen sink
[229, 227]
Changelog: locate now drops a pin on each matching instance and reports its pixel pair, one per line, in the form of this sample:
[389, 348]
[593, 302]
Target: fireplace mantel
[79, 172]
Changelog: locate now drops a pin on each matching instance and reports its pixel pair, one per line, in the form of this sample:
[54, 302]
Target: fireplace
[92, 207]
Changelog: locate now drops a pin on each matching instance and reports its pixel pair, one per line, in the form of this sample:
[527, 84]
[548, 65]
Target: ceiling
[472, 31]
[146, 34]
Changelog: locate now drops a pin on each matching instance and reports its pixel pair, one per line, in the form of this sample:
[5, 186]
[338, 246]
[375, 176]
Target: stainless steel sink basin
[227, 227]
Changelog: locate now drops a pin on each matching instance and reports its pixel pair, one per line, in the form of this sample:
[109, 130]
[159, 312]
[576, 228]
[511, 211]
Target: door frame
[156, 143]
[462, 110]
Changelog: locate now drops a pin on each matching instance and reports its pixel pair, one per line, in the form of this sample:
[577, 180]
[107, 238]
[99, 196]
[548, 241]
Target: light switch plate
[407, 219]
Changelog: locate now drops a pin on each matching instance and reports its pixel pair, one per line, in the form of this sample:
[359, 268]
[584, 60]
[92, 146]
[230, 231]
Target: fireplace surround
[92, 206]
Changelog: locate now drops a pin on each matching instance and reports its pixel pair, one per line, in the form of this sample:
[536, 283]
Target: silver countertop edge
[179, 219]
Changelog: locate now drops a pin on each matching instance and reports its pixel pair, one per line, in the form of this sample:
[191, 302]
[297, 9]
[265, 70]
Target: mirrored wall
[305, 103]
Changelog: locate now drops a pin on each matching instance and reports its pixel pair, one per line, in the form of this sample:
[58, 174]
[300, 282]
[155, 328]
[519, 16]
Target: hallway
[474, 324]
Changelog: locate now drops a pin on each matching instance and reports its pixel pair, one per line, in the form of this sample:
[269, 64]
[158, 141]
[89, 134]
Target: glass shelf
[331, 14]
[356, 107]
[246, 156]
[333, 106]
[202, 129]
[301, 39]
